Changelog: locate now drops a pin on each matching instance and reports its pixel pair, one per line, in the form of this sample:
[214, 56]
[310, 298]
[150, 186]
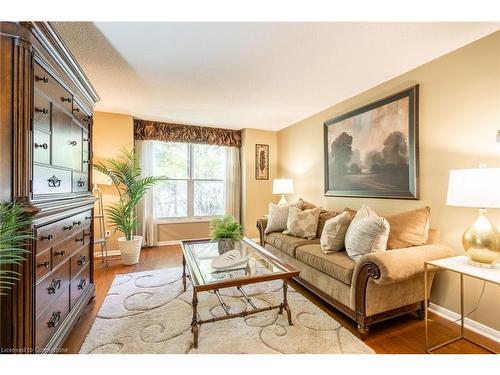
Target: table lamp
[283, 186]
[479, 188]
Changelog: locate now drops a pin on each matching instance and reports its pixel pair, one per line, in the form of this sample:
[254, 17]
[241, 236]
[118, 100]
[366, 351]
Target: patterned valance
[163, 131]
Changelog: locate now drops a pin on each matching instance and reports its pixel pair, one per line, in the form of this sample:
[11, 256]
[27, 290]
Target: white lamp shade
[283, 186]
[479, 188]
[99, 178]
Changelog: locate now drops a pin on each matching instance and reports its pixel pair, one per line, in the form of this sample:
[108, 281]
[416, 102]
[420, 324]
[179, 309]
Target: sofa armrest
[261, 226]
[396, 265]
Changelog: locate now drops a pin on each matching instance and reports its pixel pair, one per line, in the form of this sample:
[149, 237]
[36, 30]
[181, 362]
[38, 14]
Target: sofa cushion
[410, 228]
[287, 243]
[337, 265]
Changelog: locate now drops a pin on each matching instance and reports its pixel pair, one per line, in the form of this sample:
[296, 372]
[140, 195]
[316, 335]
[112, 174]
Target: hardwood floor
[403, 335]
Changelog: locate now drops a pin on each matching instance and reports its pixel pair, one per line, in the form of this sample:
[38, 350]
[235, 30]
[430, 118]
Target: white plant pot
[131, 250]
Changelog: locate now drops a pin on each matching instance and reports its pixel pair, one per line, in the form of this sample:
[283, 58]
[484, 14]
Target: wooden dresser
[45, 149]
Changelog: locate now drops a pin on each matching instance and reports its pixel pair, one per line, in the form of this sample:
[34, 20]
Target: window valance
[163, 131]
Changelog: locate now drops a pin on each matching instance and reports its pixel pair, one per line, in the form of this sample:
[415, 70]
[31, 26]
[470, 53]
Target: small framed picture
[261, 162]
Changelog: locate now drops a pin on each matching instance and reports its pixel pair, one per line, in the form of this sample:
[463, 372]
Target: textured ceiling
[255, 75]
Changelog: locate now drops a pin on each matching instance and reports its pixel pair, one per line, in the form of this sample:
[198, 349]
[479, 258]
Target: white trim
[111, 253]
[168, 243]
[184, 220]
[483, 330]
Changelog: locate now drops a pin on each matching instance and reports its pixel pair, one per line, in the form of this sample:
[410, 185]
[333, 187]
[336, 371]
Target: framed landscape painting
[373, 151]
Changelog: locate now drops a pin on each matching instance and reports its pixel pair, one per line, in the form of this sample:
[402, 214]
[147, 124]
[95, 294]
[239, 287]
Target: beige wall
[459, 116]
[256, 194]
[112, 131]
[183, 231]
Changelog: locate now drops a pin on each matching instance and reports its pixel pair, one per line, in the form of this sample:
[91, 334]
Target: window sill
[184, 220]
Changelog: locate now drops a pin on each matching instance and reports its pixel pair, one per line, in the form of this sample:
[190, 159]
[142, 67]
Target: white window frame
[190, 192]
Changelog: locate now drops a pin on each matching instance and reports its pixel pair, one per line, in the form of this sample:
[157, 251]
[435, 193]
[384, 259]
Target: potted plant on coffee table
[125, 173]
[225, 230]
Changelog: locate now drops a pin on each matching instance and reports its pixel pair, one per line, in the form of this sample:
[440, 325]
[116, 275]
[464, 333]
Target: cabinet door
[76, 142]
[62, 139]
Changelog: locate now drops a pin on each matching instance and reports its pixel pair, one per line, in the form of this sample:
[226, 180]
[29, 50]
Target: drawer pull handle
[68, 227]
[76, 109]
[44, 79]
[88, 217]
[45, 264]
[82, 260]
[54, 286]
[82, 284]
[85, 162]
[54, 181]
[54, 319]
[45, 111]
[42, 145]
[86, 139]
[79, 239]
[73, 143]
[80, 183]
[88, 119]
[75, 223]
[61, 253]
[49, 237]
[69, 100]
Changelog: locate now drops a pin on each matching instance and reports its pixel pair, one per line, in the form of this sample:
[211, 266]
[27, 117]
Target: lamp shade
[478, 187]
[99, 178]
[283, 186]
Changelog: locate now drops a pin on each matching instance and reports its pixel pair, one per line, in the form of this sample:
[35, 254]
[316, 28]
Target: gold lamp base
[481, 242]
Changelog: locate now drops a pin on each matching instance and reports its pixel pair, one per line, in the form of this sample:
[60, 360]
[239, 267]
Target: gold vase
[481, 242]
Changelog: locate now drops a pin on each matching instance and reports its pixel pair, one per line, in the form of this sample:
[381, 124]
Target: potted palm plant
[125, 173]
[14, 235]
[225, 230]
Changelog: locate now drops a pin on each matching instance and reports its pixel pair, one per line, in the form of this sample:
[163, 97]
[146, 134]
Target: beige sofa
[377, 287]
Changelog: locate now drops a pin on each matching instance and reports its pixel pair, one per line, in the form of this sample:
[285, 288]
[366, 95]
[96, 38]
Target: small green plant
[15, 233]
[225, 227]
[125, 173]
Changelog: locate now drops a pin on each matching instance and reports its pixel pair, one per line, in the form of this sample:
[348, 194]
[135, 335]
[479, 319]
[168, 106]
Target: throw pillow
[333, 236]
[410, 228]
[278, 216]
[302, 224]
[367, 233]
[324, 216]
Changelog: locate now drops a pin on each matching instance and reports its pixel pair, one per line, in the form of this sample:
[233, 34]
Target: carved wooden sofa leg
[421, 312]
[367, 271]
[363, 331]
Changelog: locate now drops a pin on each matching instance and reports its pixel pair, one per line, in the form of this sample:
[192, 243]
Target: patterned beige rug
[148, 312]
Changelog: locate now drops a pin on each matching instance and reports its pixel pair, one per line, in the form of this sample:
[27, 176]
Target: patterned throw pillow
[333, 236]
[302, 224]
[278, 216]
[367, 233]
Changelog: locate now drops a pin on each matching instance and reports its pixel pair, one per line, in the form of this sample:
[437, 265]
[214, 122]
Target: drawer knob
[67, 99]
[88, 118]
[86, 139]
[68, 227]
[49, 237]
[45, 264]
[88, 217]
[42, 145]
[54, 286]
[75, 223]
[73, 143]
[43, 79]
[82, 260]
[79, 239]
[45, 111]
[54, 319]
[76, 109]
[82, 284]
[61, 253]
[85, 162]
[54, 181]
[80, 183]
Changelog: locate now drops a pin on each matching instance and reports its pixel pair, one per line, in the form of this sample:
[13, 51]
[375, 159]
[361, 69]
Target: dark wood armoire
[46, 154]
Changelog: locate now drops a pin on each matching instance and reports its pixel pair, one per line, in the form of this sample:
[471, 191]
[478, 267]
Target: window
[195, 185]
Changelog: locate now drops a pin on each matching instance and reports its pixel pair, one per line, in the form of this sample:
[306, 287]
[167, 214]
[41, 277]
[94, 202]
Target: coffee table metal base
[196, 323]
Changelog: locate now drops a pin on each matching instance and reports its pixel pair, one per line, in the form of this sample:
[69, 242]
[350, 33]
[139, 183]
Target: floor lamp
[99, 178]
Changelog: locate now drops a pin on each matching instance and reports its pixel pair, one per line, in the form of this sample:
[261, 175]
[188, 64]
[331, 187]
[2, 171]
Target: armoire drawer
[51, 318]
[46, 84]
[79, 284]
[51, 286]
[80, 182]
[81, 115]
[41, 147]
[41, 112]
[43, 264]
[65, 249]
[48, 180]
[79, 260]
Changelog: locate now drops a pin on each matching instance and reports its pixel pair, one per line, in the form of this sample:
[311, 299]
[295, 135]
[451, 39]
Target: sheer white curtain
[145, 209]
[233, 183]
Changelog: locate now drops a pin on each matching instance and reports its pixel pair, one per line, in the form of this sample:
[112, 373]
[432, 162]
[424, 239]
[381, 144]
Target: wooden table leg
[194, 322]
[285, 304]
[184, 272]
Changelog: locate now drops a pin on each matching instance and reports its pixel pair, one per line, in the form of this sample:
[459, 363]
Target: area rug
[149, 312]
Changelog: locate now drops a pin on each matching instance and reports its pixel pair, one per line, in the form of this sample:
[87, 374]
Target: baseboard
[168, 243]
[483, 330]
[111, 253]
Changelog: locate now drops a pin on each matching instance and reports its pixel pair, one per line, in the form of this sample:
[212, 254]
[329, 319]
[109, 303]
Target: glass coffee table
[262, 266]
